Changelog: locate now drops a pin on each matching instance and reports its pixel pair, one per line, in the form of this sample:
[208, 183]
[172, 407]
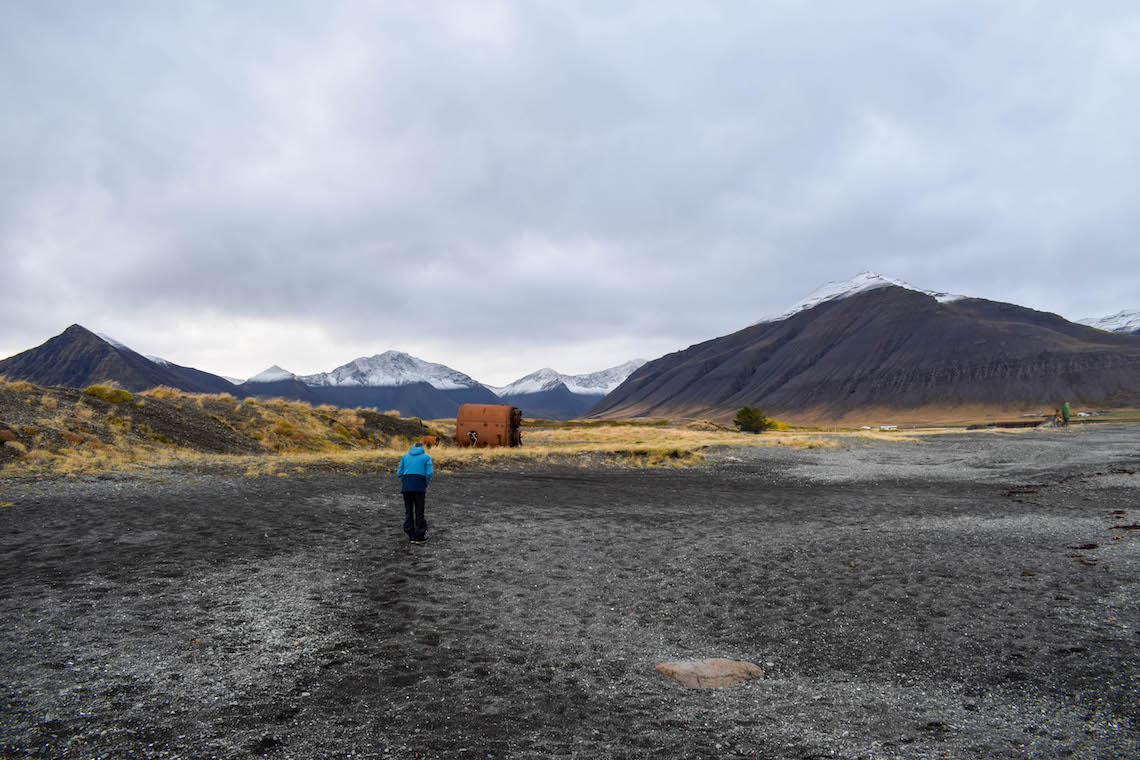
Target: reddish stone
[715, 673]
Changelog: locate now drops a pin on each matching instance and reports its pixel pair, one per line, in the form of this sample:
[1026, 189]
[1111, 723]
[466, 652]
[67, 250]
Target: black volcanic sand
[961, 597]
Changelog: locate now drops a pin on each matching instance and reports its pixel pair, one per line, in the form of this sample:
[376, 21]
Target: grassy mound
[102, 426]
[110, 394]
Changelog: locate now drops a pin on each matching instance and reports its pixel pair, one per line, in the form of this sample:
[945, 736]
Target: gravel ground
[967, 596]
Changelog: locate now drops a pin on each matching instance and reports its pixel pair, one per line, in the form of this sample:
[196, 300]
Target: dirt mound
[42, 423]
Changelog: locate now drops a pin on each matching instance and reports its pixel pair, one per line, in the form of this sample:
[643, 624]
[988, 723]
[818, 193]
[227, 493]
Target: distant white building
[888, 427]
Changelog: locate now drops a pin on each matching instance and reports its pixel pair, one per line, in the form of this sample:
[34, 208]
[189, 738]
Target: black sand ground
[920, 600]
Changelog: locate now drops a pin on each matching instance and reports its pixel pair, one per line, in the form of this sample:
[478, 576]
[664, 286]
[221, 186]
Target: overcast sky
[505, 186]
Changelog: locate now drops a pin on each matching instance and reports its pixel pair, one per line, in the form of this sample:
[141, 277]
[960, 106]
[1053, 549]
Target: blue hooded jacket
[414, 471]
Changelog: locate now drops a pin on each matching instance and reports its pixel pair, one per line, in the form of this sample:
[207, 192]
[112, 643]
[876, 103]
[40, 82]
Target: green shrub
[752, 420]
[109, 394]
[145, 430]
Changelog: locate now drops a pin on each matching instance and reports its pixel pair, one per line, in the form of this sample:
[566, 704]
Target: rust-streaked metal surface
[488, 425]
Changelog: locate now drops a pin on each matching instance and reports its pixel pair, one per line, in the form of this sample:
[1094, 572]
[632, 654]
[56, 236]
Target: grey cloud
[668, 171]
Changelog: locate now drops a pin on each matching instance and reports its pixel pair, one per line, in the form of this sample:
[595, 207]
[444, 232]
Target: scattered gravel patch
[913, 614]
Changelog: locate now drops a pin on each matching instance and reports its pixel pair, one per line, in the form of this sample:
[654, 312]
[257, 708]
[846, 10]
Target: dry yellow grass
[164, 391]
[296, 436]
[644, 443]
[680, 436]
[16, 386]
[74, 437]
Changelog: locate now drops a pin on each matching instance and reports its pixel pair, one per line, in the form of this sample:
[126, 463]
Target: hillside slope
[78, 357]
[887, 347]
[46, 425]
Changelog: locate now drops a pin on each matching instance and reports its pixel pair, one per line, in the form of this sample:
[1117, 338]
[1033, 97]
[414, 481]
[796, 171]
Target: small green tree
[752, 420]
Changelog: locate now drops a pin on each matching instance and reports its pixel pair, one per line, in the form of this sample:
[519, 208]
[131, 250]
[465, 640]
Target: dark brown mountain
[78, 358]
[888, 347]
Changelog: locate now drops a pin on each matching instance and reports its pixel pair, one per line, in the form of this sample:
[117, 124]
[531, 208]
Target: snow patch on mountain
[117, 344]
[1121, 322]
[159, 360]
[593, 384]
[860, 283]
[392, 368]
[602, 382]
[272, 375]
[536, 382]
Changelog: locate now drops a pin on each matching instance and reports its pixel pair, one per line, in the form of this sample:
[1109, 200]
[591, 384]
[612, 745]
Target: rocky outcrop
[715, 673]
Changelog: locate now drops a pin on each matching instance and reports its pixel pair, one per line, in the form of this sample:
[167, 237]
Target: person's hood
[416, 449]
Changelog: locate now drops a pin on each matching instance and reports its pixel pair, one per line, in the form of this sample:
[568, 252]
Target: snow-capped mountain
[391, 380]
[1121, 322]
[273, 374]
[553, 395]
[860, 283]
[391, 368]
[875, 343]
[593, 384]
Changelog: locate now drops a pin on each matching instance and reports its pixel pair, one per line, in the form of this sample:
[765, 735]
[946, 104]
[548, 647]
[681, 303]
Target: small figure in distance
[1057, 417]
[414, 473]
[1065, 413]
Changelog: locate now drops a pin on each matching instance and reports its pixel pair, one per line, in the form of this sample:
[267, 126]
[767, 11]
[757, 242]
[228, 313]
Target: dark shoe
[419, 540]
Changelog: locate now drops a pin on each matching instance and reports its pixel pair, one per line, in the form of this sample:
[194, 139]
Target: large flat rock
[713, 673]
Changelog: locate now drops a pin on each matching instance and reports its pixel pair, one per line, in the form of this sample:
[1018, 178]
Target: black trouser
[414, 523]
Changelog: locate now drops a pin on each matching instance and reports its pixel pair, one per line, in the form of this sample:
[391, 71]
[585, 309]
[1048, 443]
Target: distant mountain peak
[78, 357]
[860, 283]
[392, 368]
[272, 375]
[1125, 321]
[592, 384]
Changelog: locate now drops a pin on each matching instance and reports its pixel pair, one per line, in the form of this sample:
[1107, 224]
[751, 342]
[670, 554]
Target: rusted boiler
[488, 425]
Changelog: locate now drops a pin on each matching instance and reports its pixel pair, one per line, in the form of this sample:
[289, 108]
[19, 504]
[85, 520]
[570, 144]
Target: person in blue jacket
[414, 473]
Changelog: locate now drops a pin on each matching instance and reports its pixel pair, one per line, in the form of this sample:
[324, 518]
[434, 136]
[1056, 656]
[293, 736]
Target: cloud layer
[503, 186]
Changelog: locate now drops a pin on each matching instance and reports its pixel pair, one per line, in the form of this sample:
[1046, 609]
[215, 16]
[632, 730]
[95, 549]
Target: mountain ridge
[871, 340]
[1124, 321]
[885, 346]
[78, 357]
[551, 394]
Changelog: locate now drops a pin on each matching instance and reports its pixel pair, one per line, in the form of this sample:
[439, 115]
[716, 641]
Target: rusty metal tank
[488, 425]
